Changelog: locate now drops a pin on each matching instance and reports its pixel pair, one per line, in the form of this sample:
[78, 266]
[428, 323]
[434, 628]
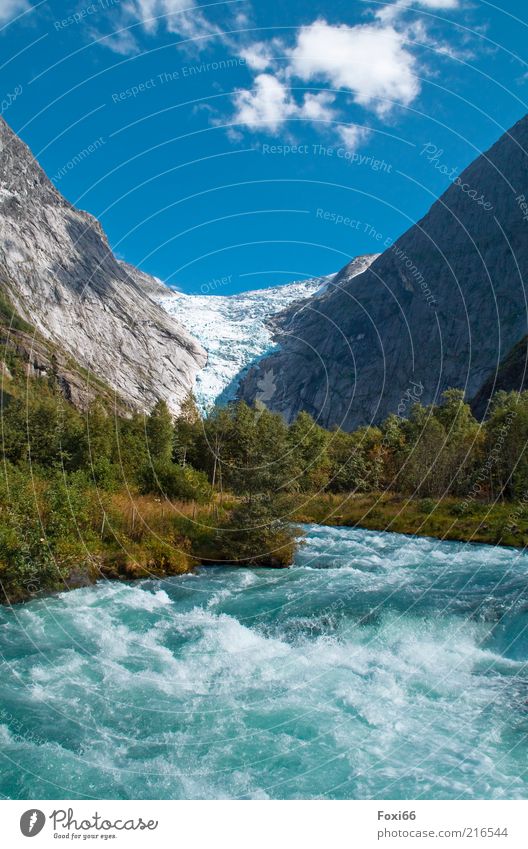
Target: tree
[173, 481]
[254, 460]
[159, 430]
[210, 445]
[309, 444]
[187, 430]
[255, 456]
[506, 445]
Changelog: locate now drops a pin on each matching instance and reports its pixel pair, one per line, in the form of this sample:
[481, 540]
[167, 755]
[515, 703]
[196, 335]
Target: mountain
[440, 308]
[59, 273]
[510, 376]
[235, 330]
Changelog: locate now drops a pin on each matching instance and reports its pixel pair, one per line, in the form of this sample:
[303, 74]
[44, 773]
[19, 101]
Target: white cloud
[11, 8]
[267, 106]
[270, 105]
[259, 55]
[352, 136]
[121, 42]
[390, 13]
[182, 17]
[369, 60]
[318, 107]
[437, 4]
[374, 65]
[179, 16]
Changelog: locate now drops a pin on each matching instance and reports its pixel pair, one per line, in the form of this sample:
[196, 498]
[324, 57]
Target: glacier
[235, 330]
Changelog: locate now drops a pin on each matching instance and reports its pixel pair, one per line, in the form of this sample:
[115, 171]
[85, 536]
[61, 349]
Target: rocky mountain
[442, 307]
[510, 376]
[58, 272]
[235, 330]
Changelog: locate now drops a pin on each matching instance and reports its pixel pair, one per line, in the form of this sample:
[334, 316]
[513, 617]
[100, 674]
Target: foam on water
[380, 666]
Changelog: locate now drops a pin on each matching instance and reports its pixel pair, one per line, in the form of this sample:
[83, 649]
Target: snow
[233, 331]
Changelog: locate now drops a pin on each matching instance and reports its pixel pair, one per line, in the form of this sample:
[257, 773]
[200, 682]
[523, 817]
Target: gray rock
[60, 274]
[441, 308]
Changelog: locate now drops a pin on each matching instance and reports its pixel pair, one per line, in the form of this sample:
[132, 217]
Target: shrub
[174, 481]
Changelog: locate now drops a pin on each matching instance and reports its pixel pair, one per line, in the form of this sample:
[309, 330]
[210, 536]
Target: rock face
[440, 308]
[60, 274]
[511, 376]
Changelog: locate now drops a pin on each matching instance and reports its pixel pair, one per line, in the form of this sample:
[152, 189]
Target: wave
[377, 667]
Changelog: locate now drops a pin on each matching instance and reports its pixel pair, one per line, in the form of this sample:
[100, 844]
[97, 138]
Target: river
[378, 666]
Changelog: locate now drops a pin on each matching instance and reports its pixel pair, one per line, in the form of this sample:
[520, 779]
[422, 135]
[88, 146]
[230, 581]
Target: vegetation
[84, 495]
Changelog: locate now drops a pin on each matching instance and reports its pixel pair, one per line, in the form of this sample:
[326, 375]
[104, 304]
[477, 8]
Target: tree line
[63, 467]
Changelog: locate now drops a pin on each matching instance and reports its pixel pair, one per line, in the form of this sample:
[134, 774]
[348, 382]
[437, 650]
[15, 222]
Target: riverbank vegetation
[85, 495]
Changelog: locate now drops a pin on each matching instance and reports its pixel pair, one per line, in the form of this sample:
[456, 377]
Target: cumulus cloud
[374, 65]
[369, 60]
[11, 8]
[259, 56]
[436, 4]
[266, 106]
[270, 104]
[182, 17]
[121, 42]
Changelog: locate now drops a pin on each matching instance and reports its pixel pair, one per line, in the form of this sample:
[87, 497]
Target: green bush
[175, 482]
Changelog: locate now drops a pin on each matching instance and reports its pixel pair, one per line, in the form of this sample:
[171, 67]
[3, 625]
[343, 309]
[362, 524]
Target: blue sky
[252, 143]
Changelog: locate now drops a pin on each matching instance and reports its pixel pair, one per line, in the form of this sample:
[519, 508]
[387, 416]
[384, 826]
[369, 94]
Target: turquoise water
[379, 666]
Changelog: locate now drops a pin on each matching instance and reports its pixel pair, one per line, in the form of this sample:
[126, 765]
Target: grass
[503, 523]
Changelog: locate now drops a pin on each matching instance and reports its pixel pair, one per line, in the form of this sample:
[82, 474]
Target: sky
[235, 145]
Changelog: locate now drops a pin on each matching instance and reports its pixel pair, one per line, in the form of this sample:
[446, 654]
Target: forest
[91, 494]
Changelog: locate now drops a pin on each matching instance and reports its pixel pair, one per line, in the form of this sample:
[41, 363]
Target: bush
[174, 481]
[254, 535]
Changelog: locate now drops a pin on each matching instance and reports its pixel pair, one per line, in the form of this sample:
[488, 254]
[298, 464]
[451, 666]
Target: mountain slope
[510, 376]
[442, 306]
[58, 271]
[233, 329]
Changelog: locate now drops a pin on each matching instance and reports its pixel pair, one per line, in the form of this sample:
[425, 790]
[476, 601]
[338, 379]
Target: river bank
[131, 537]
[500, 523]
